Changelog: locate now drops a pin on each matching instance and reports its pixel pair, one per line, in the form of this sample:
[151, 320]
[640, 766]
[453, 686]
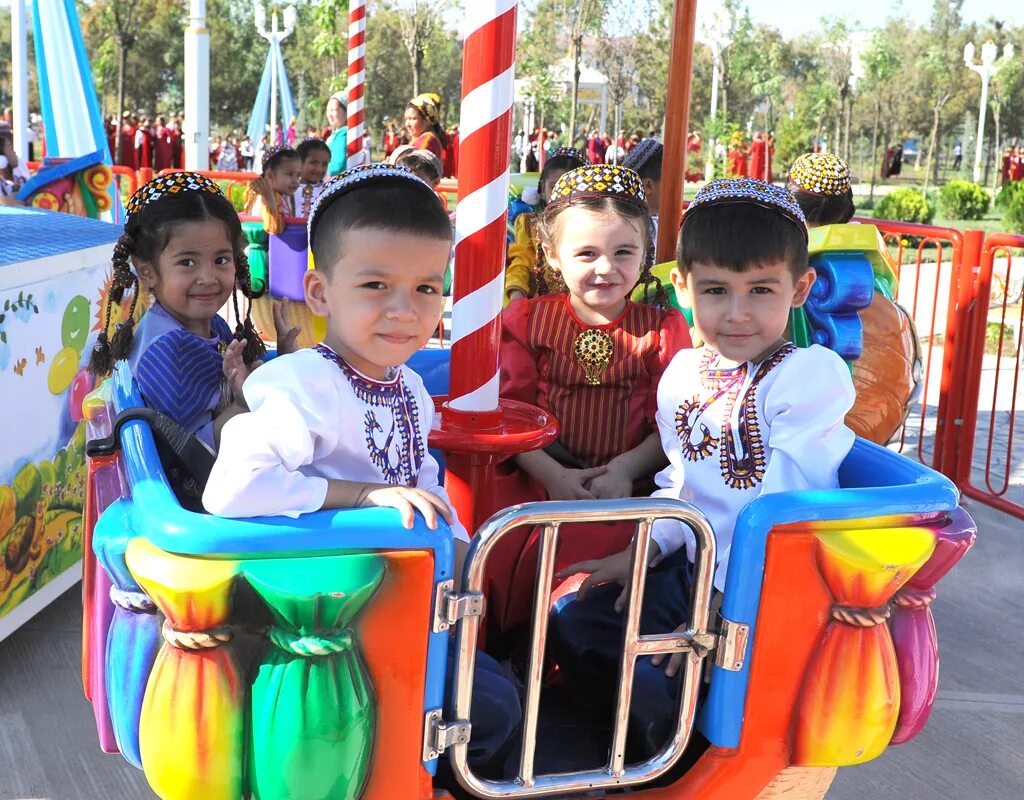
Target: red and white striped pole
[356, 83]
[485, 128]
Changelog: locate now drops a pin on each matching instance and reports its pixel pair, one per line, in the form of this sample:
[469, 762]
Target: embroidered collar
[365, 386]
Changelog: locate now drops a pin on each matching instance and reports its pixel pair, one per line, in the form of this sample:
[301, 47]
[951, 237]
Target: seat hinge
[731, 648]
[439, 735]
[450, 607]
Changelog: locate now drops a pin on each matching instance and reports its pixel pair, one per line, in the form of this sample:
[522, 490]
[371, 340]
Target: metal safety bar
[696, 641]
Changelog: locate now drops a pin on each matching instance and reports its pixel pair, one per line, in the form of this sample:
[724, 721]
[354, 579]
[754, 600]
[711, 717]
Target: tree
[126, 28]
[1004, 89]
[418, 25]
[581, 17]
[880, 62]
[938, 65]
[616, 56]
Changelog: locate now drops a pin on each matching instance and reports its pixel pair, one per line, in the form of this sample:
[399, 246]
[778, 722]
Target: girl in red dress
[592, 358]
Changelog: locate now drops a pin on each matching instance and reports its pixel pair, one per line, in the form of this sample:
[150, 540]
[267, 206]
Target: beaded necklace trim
[399, 462]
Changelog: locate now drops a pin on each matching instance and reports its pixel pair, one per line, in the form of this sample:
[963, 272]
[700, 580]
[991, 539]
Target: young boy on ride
[271, 197]
[345, 424]
[746, 414]
[527, 273]
[185, 242]
[315, 156]
[592, 358]
[645, 160]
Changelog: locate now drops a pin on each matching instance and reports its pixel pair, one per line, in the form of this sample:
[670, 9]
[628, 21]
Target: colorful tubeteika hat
[749, 190]
[354, 178]
[275, 150]
[820, 173]
[599, 180]
[573, 153]
[642, 153]
[174, 183]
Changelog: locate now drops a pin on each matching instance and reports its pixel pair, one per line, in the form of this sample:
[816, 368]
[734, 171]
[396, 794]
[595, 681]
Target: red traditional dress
[738, 166]
[1017, 167]
[128, 146]
[757, 159]
[428, 140]
[164, 149]
[598, 421]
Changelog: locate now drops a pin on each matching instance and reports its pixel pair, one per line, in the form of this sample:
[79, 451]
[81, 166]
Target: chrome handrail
[696, 641]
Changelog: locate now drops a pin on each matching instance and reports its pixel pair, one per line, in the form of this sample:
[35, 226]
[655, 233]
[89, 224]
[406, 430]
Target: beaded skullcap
[599, 180]
[573, 153]
[749, 190]
[354, 178]
[272, 151]
[174, 183]
[641, 154]
[820, 173]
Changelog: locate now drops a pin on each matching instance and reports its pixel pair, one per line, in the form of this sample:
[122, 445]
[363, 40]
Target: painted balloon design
[80, 387]
[74, 328]
[62, 370]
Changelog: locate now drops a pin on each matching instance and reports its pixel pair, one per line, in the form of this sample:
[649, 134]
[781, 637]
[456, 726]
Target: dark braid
[106, 352]
[648, 279]
[245, 331]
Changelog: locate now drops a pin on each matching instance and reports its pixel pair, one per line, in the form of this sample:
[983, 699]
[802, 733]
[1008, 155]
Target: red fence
[963, 292]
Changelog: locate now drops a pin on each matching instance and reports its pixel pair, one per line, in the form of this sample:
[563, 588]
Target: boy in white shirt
[345, 424]
[748, 413]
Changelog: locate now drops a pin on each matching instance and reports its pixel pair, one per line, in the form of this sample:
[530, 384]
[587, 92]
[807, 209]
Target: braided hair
[147, 233]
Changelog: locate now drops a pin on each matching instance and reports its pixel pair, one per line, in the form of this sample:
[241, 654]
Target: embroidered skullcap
[571, 152]
[429, 105]
[274, 150]
[599, 180]
[174, 183]
[820, 173]
[352, 179]
[749, 190]
[641, 154]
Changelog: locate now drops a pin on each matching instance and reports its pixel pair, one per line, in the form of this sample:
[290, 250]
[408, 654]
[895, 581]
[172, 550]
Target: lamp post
[713, 31]
[989, 51]
[275, 37]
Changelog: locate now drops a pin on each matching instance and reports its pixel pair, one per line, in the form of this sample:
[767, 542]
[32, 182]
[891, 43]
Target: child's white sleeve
[670, 534]
[258, 471]
[805, 411]
[429, 469]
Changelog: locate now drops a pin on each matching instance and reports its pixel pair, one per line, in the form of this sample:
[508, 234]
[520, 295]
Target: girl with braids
[527, 273]
[593, 359]
[271, 197]
[185, 243]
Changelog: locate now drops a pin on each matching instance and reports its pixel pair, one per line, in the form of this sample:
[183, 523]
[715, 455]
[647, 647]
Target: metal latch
[439, 735]
[450, 607]
[732, 645]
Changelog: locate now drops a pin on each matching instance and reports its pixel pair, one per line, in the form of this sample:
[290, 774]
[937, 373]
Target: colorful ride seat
[272, 657]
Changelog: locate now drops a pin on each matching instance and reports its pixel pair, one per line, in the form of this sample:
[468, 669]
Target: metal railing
[992, 380]
[697, 641]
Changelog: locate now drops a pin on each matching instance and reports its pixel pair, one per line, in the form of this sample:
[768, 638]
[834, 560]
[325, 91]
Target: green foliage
[1010, 191]
[1014, 218]
[963, 200]
[905, 205]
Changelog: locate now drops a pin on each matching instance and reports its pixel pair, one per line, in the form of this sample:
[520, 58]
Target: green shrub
[1014, 218]
[963, 200]
[905, 205]
[1008, 193]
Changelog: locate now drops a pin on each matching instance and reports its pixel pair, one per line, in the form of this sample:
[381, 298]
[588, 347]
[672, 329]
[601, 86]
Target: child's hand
[262, 187]
[515, 294]
[615, 483]
[235, 369]
[287, 336]
[672, 667]
[563, 483]
[408, 501]
[611, 569]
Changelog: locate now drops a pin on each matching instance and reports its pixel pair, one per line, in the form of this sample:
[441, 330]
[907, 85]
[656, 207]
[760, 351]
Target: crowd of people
[1013, 164]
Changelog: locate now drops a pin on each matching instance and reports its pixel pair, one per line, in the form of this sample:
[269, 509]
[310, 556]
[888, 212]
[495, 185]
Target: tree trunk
[417, 66]
[931, 148]
[122, 61]
[577, 44]
[874, 151]
[997, 165]
[849, 121]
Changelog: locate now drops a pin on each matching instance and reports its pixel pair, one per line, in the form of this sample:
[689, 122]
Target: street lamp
[713, 30]
[275, 37]
[989, 52]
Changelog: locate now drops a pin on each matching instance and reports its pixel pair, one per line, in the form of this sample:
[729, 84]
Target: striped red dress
[539, 365]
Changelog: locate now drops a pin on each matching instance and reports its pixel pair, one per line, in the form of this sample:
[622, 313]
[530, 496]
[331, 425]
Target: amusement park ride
[306, 658]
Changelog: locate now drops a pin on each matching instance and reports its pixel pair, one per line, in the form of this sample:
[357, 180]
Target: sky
[792, 18]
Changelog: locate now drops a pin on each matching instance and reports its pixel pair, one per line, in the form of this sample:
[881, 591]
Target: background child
[744, 415]
[423, 164]
[345, 424]
[527, 273]
[315, 156]
[820, 183]
[185, 242]
[272, 195]
[645, 160]
[593, 359]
